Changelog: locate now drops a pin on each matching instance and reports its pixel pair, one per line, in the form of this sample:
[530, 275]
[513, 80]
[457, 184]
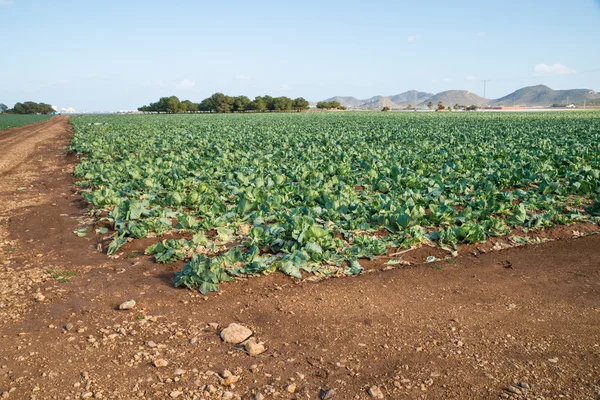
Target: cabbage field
[246, 194]
[13, 120]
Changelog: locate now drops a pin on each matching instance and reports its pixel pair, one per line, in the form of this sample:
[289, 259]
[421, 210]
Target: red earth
[521, 322]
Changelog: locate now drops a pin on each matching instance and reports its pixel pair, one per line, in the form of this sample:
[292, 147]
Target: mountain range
[531, 96]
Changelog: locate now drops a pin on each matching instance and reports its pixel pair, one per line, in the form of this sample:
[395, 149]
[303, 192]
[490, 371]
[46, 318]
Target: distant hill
[452, 97]
[348, 101]
[542, 95]
[395, 101]
[531, 96]
[406, 98]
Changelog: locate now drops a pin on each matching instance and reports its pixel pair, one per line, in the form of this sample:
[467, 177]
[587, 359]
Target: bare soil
[522, 322]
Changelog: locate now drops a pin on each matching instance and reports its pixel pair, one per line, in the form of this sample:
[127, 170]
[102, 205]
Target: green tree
[220, 103]
[430, 105]
[188, 106]
[3, 108]
[408, 107]
[282, 103]
[258, 104]
[241, 103]
[440, 105]
[300, 104]
[456, 106]
[173, 105]
[31, 107]
[385, 109]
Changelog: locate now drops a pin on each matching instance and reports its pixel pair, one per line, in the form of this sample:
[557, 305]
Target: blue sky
[114, 55]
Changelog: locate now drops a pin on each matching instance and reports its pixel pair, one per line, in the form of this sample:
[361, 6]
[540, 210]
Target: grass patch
[62, 276]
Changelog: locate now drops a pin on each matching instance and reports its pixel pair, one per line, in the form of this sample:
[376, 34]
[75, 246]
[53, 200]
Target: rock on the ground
[235, 333]
[253, 348]
[127, 305]
[160, 363]
[327, 394]
[291, 387]
[175, 393]
[375, 392]
[39, 297]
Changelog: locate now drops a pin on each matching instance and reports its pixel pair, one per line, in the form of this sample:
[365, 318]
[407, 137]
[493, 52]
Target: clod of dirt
[39, 297]
[235, 333]
[375, 392]
[253, 348]
[160, 363]
[327, 394]
[128, 305]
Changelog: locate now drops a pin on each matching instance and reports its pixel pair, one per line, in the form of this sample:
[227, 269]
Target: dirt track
[466, 331]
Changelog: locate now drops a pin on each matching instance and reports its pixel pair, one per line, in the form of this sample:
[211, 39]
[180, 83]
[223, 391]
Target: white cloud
[186, 84]
[285, 86]
[447, 79]
[481, 34]
[412, 38]
[550, 70]
[470, 78]
[6, 3]
[242, 77]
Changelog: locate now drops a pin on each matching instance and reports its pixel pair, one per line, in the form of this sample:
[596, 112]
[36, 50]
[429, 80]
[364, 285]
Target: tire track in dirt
[18, 143]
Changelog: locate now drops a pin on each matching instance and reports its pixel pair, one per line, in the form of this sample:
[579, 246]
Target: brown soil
[467, 328]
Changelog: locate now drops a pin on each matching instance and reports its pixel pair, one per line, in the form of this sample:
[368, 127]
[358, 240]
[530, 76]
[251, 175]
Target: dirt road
[517, 323]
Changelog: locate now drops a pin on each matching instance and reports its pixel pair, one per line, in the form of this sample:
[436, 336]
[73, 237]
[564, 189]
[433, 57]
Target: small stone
[68, 327]
[151, 344]
[553, 360]
[213, 325]
[175, 394]
[504, 396]
[259, 396]
[227, 395]
[327, 394]
[235, 333]
[86, 395]
[39, 297]
[291, 388]
[253, 348]
[128, 305]
[226, 374]
[160, 363]
[254, 368]
[524, 385]
[375, 392]
[513, 389]
[193, 340]
[180, 371]
[230, 380]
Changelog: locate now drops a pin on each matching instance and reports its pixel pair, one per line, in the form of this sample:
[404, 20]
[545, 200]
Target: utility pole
[484, 84]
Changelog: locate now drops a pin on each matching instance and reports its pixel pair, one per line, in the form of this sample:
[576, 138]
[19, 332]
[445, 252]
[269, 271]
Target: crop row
[318, 192]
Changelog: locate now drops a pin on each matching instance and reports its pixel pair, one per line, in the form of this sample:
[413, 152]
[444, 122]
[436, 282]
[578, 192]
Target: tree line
[29, 107]
[330, 105]
[221, 103]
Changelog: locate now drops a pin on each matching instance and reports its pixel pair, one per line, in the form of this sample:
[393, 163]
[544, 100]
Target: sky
[118, 55]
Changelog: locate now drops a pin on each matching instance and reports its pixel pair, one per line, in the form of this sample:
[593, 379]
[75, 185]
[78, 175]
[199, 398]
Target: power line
[485, 81]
